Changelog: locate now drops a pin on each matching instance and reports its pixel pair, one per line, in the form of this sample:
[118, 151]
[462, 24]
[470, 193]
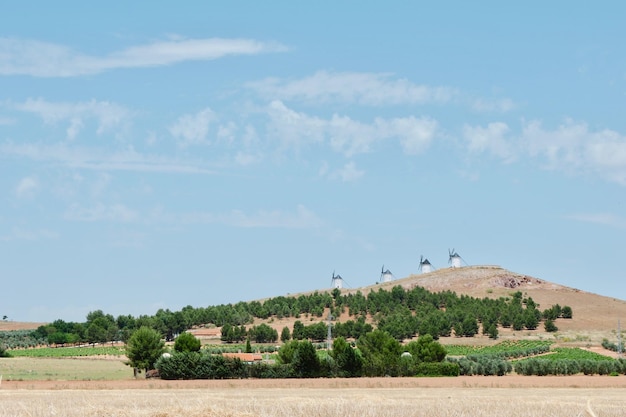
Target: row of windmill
[454, 260]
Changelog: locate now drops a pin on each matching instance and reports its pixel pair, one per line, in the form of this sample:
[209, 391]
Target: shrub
[186, 342]
[550, 326]
[267, 371]
[438, 369]
[4, 353]
[197, 365]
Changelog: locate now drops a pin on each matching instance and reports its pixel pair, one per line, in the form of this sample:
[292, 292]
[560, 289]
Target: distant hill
[595, 316]
[6, 325]
[592, 312]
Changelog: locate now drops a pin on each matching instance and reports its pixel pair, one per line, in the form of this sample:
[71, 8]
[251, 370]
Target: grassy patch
[32, 369]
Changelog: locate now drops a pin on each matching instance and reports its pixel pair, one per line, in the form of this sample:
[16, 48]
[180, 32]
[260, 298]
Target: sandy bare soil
[18, 325]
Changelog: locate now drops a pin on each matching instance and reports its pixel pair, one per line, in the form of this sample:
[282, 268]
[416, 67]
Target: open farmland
[67, 369]
[364, 399]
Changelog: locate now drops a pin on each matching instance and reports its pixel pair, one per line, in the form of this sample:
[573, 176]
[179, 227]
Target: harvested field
[307, 401]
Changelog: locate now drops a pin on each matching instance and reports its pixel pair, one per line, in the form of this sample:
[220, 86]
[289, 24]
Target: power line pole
[330, 335]
[620, 346]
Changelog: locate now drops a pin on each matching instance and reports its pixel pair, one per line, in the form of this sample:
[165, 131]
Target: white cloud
[293, 128]
[245, 159]
[42, 59]
[108, 115]
[17, 233]
[349, 172]
[490, 139]
[415, 134]
[606, 219]
[501, 105]
[574, 147]
[302, 218]
[346, 135]
[101, 212]
[374, 89]
[6, 121]
[27, 187]
[89, 158]
[192, 129]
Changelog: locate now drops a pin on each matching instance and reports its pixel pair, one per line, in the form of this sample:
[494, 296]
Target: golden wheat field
[316, 402]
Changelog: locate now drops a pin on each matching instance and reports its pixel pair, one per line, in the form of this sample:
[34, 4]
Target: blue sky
[164, 155]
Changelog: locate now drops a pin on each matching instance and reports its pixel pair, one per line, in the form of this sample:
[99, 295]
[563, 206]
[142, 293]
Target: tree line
[403, 313]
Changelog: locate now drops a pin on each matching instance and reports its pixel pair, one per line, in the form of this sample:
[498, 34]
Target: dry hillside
[595, 316]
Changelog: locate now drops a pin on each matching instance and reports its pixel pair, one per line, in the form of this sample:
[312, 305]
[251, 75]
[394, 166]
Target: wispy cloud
[372, 89]
[6, 121]
[18, 233]
[108, 115]
[101, 212]
[606, 219]
[192, 129]
[301, 218]
[574, 147]
[43, 59]
[90, 158]
[571, 147]
[27, 187]
[346, 135]
[492, 138]
[499, 105]
[348, 173]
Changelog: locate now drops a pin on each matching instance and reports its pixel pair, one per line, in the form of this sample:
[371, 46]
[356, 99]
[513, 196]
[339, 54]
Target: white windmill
[336, 281]
[454, 259]
[385, 275]
[425, 266]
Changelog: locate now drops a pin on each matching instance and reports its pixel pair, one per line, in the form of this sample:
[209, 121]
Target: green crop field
[61, 352]
[502, 347]
[575, 354]
[63, 369]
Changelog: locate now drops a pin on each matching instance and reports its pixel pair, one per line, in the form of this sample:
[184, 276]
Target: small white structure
[385, 275]
[454, 259]
[425, 266]
[336, 281]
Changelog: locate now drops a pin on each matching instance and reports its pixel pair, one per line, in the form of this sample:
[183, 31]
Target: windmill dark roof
[425, 262]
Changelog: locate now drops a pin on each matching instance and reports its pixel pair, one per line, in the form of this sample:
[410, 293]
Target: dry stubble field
[365, 397]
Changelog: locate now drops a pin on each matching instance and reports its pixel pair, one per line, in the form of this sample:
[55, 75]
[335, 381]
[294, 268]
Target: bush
[438, 369]
[483, 365]
[186, 342]
[550, 326]
[197, 365]
[4, 353]
[267, 371]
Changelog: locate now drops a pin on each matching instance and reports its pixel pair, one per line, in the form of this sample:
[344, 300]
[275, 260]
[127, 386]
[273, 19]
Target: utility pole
[329, 336]
[620, 345]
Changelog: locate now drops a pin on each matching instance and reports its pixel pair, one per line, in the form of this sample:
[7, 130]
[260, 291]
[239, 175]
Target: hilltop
[595, 316]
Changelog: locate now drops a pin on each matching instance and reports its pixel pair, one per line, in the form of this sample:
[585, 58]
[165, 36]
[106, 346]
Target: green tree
[381, 353]
[264, 333]
[426, 349]
[348, 360]
[305, 362]
[144, 348]
[566, 312]
[186, 342]
[285, 335]
[298, 330]
[248, 346]
[550, 326]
